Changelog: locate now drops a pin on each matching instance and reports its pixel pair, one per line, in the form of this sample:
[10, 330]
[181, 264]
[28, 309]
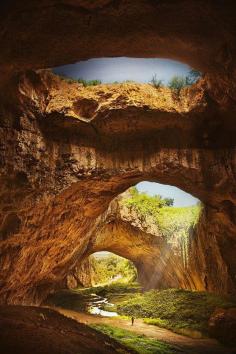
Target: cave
[159, 250]
[67, 152]
[73, 169]
[92, 271]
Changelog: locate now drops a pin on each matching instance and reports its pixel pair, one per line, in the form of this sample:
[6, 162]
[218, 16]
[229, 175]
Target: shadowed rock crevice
[10, 225]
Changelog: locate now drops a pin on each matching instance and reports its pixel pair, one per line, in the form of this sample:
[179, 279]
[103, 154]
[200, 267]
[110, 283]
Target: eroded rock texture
[67, 151]
[160, 262]
[198, 32]
[80, 275]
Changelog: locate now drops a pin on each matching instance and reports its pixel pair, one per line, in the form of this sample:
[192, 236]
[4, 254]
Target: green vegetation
[78, 299]
[139, 343]
[157, 83]
[176, 83]
[86, 83]
[178, 221]
[146, 204]
[70, 80]
[111, 289]
[115, 293]
[175, 309]
[193, 76]
[112, 268]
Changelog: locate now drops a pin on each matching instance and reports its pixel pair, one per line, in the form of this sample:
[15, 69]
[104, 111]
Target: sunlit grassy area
[139, 343]
[78, 298]
[111, 289]
[178, 221]
[115, 293]
[111, 268]
[175, 309]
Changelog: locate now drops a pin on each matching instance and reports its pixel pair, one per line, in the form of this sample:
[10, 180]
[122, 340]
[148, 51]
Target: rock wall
[159, 262]
[81, 275]
[198, 32]
[67, 151]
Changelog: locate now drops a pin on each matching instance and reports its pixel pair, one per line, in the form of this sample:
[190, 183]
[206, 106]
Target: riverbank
[181, 343]
[182, 311]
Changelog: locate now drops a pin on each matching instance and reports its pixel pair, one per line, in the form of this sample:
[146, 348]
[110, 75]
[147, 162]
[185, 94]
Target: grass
[111, 289]
[175, 309]
[181, 328]
[139, 343]
[182, 311]
[78, 299]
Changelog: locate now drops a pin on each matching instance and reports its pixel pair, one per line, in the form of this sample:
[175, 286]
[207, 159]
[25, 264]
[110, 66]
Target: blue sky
[181, 198]
[121, 69]
[140, 70]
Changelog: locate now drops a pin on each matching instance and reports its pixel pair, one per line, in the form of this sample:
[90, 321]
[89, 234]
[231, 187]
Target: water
[95, 304]
[91, 303]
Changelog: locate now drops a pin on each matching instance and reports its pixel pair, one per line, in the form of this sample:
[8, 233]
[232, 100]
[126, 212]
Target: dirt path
[185, 344]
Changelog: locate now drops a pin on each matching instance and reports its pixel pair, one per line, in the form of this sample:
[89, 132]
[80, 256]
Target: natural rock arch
[159, 262]
[73, 168]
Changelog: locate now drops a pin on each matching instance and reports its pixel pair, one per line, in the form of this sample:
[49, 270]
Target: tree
[177, 83]
[169, 201]
[86, 83]
[193, 76]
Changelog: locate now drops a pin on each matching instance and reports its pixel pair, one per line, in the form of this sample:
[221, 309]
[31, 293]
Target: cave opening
[88, 285]
[102, 268]
[158, 72]
[153, 225]
[108, 268]
[142, 244]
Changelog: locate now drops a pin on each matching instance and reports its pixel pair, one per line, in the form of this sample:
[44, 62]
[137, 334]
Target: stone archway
[122, 231]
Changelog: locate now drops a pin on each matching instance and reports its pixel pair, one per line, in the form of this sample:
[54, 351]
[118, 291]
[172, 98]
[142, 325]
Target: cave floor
[185, 344]
[37, 330]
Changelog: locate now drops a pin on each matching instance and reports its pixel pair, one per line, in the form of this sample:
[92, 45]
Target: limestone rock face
[67, 151]
[160, 262]
[200, 33]
[81, 275]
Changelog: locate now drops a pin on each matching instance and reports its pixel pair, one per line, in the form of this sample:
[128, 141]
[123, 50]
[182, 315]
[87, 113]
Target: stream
[92, 303]
[95, 304]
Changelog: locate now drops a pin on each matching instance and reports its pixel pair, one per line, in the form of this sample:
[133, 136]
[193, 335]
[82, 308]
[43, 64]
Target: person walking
[132, 320]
